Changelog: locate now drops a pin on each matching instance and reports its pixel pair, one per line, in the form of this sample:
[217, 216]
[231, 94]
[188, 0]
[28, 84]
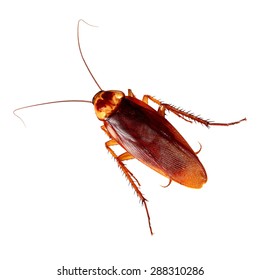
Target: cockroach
[146, 135]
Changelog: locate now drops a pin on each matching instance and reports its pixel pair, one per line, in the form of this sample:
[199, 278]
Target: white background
[63, 201]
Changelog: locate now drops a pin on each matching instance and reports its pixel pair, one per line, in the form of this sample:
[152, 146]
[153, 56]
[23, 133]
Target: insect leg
[187, 116]
[199, 149]
[130, 93]
[161, 109]
[129, 175]
[122, 157]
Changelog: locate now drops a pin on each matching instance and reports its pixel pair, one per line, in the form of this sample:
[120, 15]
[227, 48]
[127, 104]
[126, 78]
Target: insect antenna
[63, 101]
[81, 54]
[45, 103]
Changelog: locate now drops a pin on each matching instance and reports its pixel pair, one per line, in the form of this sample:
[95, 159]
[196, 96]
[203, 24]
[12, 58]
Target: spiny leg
[130, 177]
[161, 109]
[184, 115]
[124, 156]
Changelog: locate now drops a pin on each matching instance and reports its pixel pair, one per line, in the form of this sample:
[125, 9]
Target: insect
[146, 135]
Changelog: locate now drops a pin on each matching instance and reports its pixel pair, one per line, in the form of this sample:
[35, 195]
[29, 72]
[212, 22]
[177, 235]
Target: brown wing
[151, 139]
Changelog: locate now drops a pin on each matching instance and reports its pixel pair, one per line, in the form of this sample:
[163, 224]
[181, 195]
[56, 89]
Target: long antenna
[62, 101]
[45, 103]
[81, 20]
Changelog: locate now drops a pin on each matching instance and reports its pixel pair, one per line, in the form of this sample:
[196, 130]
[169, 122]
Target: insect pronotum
[145, 134]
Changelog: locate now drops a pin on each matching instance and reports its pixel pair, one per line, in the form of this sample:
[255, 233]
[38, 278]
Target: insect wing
[151, 139]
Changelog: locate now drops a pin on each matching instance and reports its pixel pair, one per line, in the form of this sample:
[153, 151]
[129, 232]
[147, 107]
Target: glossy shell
[152, 139]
